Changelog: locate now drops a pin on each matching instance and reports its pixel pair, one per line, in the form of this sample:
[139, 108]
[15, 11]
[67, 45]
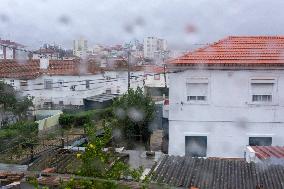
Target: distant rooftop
[30, 69]
[102, 97]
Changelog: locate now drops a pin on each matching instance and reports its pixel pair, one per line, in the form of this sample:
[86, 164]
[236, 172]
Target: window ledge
[196, 103]
[262, 104]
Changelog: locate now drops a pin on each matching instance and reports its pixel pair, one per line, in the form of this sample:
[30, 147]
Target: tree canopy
[134, 113]
[13, 102]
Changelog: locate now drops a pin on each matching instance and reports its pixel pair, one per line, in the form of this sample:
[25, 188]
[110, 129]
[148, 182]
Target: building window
[87, 84]
[157, 76]
[47, 105]
[72, 88]
[60, 83]
[23, 83]
[262, 90]
[196, 146]
[118, 90]
[12, 82]
[108, 91]
[262, 98]
[197, 90]
[48, 83]
[260, 141]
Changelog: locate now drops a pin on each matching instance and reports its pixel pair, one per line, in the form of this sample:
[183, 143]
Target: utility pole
[128, 49]
[165, 78]
[165, 66]
[128, 68]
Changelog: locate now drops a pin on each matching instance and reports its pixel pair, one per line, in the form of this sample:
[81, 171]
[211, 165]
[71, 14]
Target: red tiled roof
[46, 51]
[237, 50]
[24, 70]
[71, 67]
[31, 69]
[266, 152]
[153, 69]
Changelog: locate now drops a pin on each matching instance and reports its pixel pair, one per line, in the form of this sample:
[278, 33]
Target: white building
[65, 82]
[80, 47]
[11, 50]
[155, 76]
[152, 45]
[46, 53]
[226, 96]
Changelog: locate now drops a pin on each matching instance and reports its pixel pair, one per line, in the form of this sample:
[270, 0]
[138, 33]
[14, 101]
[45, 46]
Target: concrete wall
[49, 122]
[229, 117]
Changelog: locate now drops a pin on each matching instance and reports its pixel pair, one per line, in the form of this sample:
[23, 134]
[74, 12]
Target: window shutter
[262, 88]
[197, 89]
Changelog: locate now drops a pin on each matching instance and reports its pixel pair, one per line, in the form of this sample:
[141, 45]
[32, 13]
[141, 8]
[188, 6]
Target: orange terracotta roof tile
[25, 70]
[153, 69]
[238, 50]
[266, 152]
[31, 69]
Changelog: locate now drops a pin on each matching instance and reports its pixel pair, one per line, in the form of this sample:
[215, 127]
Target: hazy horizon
[182, 23]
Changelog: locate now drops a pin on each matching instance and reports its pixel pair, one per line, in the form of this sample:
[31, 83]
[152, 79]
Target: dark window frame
[260, 141]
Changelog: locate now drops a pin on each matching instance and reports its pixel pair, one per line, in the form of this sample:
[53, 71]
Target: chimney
[43, 63]
[14, 52]
[4, 52]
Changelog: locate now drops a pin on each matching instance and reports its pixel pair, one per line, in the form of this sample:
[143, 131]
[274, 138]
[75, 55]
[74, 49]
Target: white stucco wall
[98, 85]
[229, 118]
[150, 80]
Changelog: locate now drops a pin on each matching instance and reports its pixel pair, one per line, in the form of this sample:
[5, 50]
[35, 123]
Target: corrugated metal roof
[102, 97]
[217, 173]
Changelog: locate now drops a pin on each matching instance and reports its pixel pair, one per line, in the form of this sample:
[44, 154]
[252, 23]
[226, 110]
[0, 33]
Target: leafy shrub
[22, 132]
[66, 120]
[106, 113]
[8, 133]
[24, 128]
[84, 117]
[81, 120]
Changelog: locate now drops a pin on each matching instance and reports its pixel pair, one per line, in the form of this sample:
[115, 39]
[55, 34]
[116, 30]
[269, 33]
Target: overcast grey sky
[181, 22]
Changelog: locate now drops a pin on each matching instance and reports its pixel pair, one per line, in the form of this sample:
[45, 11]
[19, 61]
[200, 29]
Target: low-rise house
[65, 82]
[49, 53]
[226, 96]
[156, 81]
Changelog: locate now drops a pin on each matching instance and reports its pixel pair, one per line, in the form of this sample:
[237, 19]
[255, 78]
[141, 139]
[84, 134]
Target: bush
[66, 121]
[81, 120]
[106, 113]
[22, 132]
[25, 127]
[8, 133]
[84, 117]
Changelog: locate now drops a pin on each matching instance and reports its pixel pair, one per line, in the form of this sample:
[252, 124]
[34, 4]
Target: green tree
[13, 102]
[98, 163]
[26, 136]
[134, 113]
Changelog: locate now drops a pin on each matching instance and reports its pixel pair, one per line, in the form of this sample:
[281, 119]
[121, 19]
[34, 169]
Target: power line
[103, 80]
